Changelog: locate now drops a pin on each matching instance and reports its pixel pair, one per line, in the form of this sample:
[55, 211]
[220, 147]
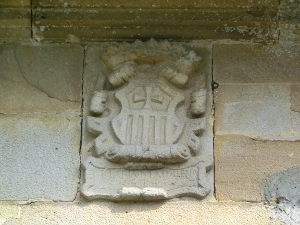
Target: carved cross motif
[150, 126]
[148, 96]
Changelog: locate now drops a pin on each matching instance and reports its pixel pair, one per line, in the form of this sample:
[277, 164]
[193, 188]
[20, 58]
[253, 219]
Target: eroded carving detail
[148, 120]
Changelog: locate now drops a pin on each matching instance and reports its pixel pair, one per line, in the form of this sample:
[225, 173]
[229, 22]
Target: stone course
[15, 22]
[173, 212]
[40, 121]
[44, 137]
[256, 116]
[56, 20]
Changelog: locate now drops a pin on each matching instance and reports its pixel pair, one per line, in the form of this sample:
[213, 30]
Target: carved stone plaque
[148, 116]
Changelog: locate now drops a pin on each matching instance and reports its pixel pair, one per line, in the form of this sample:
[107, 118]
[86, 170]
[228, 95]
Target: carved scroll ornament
[148, 118]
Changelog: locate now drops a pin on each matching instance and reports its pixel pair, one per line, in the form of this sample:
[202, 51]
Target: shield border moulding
[150, 117]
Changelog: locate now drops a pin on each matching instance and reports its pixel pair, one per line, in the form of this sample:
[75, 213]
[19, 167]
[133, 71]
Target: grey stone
[295, 119]
[256, 63]
[40, 157]
[283, 189]
[289, 31]
[261, 111]
[40, 78]
[146, 137]
[295, 98]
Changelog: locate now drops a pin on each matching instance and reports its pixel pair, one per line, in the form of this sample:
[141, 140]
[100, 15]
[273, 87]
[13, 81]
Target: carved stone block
[148, 114]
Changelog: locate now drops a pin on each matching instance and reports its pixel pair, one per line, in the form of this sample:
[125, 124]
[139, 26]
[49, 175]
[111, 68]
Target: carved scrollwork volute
[149, 120]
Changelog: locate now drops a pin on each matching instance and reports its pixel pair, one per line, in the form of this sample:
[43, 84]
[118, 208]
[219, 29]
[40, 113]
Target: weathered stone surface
[15, 20]
[8, 211]
[289, 25]
[174, 212]
[241, 165]
[255, 63]
[290, 31]
[92, 68]
[40, 157]
[288, 9]
[43, 78]
[295, 118]
[145, 136]
[295, 98]
[129, 20]
[157, 4]
[261, 111]
[283, 189]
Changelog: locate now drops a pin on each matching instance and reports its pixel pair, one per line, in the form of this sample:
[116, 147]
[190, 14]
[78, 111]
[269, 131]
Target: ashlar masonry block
[256, 63]
[150, 119]
[40, 78]
[40, 157]
[261, 111]
[242, 164]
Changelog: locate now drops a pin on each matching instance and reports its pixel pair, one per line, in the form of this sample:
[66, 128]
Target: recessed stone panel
[149, 118]
[40, 157]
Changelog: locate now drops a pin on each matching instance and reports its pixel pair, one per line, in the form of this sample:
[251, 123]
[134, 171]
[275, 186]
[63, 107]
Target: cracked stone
[40, 78]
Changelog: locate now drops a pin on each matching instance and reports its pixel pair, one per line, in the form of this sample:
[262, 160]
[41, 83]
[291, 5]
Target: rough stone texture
[129, 20]
[147, 137]
[290, 31]
[257, 119]
[290, 21]
[40, 157]
[41, 78]
[256, 63]
[295, 98]
[242, 101]
[15, 21]
[295, 118]
[283, 188]
[175, 212]
[8, 211]
[261, 111]
[241, 165]
[94, 67]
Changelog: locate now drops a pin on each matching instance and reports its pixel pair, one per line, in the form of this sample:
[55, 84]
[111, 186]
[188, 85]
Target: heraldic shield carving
[150, 116]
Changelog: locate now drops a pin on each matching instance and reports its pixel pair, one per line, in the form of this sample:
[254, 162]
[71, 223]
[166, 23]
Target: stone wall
[80, 20]
[252, 132]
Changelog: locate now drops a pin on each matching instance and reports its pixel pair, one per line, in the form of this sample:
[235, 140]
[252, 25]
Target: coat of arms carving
[149, 117]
